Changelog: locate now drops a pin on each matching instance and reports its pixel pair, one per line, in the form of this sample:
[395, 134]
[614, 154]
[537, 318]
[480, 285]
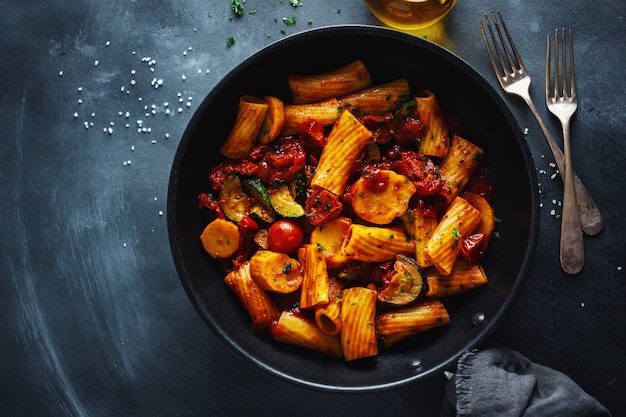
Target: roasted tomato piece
[207, 201]
[410, 131]
[403, 284]
[312, 134]
[247, 229]
[423, 172]
[474, 247]
[322, 206]
[380, 126]
[223, 170]
[481, 183]
[286, 158]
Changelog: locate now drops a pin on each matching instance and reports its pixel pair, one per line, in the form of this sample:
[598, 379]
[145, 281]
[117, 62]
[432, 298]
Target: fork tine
[572, 73]
[560, 79]
[490, 54]
[518, 59]
[505, 44]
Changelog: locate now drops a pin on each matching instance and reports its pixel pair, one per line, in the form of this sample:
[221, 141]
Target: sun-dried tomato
[223, 170]
[207, 201]
[285, 159]
[474, 247]
[322, 206]
[312, 135]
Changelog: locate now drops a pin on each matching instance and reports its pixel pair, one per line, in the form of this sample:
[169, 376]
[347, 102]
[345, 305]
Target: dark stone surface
[94, 321]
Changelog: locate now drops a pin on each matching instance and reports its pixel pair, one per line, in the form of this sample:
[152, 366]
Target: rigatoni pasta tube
[395, 326]
[445, 245]
[274, 120]
[341, 81]
[328, 316]
[324, 112]
[345, 144]
[314, 288]
[255, 300]
[297, 330]
[243, 135]
[435, 141]
[464, 277]
[421, 229]
[457, 167]
[379, 99]
[358, 331]
[376, 244]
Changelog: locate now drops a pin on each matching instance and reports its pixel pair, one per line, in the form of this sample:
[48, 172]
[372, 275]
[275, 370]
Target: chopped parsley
[289, 20]
[287, 268]
[230, 41]
[237, 6]
[456, 235]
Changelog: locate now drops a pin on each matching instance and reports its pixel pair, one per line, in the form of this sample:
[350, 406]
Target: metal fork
[515, 79]
[562, 103]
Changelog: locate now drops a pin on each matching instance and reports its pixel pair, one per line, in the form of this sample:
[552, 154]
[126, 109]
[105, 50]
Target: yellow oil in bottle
[410, 14]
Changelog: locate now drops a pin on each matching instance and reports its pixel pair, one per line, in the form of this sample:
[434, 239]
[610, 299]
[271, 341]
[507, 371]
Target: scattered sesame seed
[132, 147]
[80, 89]
[160, 212]
[96, 62]
[80, 101]
[180, 109]
[60, 73]
[75, 115]
[183, 77]
[108, 43]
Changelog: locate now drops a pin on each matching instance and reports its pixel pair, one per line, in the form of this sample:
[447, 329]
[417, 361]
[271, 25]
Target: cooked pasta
[376, 244]
[316, 87]
[445, 245]
[255, 300]
[435, 141]
[243, 136]
[379, 99]
[345, 144]
[344, 213]
[358, 335]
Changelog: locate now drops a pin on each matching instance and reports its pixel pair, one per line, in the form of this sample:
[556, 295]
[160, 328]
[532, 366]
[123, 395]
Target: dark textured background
[93, 318]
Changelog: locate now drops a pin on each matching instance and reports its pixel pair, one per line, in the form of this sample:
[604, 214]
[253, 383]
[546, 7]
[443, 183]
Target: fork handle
[590, 217]
[572, 251]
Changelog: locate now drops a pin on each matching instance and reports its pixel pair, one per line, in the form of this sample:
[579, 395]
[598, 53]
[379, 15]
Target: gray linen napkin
[497, 381]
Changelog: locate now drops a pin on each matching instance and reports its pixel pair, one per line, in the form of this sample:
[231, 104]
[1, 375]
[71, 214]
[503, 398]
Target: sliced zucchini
[283, 202]
[261, 208]
[234, 202]
[405, 285]
[299, 187]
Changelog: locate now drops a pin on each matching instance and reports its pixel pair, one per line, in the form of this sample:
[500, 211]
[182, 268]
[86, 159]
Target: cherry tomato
[285, 236]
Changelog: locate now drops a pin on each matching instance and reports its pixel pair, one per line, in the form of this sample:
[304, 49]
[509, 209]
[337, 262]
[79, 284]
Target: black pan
[388, 55]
